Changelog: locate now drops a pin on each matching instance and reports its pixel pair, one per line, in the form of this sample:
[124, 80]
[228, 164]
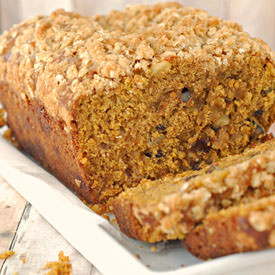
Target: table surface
[31, 237]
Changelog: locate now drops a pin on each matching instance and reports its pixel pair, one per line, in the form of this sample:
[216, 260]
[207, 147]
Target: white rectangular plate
[101, 242]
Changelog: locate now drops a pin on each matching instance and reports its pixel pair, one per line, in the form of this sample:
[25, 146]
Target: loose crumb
[141, 246]
[23, 259]
[60, 267]
[148, 265]
[8, 135]
[2, 118]
[153, 248]
[182, 265]
[114, 220]
[106, 217]
[6, 254]
[138, 256]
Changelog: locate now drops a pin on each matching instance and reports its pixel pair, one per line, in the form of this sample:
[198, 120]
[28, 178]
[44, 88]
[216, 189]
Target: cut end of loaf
[172, 125]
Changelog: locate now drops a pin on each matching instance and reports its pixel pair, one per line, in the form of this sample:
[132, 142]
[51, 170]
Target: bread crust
[45, 138]
[243, 228]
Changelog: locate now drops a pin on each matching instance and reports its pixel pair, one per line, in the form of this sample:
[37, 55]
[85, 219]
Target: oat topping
[95, 54]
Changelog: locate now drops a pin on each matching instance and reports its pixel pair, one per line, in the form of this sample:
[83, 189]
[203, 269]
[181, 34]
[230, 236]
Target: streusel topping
[65, 55]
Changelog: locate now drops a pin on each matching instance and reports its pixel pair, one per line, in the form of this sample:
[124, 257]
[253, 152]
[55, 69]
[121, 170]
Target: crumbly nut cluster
[73, 55]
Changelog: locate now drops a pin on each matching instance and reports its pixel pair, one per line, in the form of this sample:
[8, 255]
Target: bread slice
[103, 102]
[170, 208]
[247, 227]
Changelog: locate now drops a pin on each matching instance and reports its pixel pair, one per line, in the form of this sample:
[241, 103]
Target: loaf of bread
[247, 227]
[171, 207]
[103, 102]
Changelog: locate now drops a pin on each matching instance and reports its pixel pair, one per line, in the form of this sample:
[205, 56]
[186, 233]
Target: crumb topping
[65, 55]
[62, 266]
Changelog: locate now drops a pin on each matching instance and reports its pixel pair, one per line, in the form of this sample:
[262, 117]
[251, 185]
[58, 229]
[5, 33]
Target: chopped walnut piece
[261, 221]
[161, 67]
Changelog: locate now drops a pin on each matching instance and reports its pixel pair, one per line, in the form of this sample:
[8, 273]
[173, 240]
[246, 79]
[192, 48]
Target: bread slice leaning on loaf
[170, 208]
[106, 101]
[247, 227]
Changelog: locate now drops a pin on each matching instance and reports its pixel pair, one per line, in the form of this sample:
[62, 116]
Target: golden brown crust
[130, 225]
[170, 208]
[44, 138]
[247, 227]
